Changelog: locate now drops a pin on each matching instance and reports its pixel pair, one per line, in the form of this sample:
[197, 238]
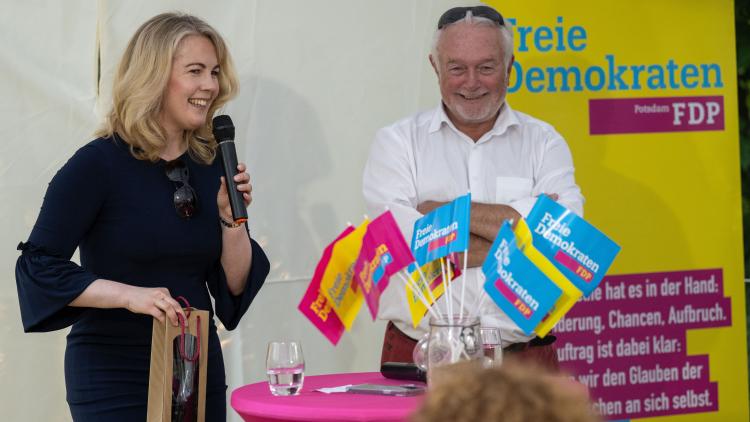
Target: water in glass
[285, 381]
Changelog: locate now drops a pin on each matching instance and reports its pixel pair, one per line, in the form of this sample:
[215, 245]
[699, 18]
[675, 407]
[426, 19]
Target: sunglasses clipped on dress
[185, 199]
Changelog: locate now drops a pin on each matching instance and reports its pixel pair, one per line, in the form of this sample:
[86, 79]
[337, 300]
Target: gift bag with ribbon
[177, 377]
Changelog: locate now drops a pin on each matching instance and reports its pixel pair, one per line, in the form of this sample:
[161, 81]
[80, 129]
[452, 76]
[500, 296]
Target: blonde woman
[147, 207]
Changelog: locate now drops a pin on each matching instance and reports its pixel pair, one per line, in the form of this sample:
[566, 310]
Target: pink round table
[254, 402]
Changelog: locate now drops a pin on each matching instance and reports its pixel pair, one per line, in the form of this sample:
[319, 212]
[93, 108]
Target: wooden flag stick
[446, 289]
[449, 271]
[417, 291]
[424, 279]
[406, 278]
[463, 284]
[482, 297]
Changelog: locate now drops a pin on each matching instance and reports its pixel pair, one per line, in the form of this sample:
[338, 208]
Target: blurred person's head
[513, 392]
[174, 74]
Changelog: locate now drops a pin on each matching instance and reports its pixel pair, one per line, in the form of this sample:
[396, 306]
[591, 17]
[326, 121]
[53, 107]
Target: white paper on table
[329, 390]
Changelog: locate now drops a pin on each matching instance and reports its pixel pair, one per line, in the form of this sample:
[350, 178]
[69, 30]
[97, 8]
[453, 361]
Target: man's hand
[478, 249]
[426, 207]
[486, 219]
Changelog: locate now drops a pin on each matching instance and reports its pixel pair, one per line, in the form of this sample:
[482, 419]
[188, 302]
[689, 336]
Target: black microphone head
[223, 128]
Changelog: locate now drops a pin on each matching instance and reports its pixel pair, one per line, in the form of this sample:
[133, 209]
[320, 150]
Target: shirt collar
[505, 119]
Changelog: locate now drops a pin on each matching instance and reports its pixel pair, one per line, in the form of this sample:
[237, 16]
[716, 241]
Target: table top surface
[256, 400]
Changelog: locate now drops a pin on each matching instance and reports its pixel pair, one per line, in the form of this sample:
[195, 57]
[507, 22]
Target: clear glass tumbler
[452, 338]
[492, 345]
[285, 367]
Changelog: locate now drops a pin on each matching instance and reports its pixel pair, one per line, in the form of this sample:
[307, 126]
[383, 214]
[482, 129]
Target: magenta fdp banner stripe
[513, 298]
[570, 263]
[663, 114]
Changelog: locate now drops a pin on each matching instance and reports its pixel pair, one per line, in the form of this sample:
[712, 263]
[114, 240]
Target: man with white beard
[472, 142]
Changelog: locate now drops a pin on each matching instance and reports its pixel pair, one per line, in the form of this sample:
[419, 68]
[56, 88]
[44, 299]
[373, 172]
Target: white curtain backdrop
[318, 78]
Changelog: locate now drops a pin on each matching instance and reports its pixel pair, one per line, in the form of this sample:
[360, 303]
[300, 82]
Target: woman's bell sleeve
[46, 279]
[227, 307]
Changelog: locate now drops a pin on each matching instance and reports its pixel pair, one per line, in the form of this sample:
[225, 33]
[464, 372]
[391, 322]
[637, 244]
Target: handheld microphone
[224, 134]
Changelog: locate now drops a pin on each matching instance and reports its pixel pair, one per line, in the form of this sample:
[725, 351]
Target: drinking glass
[492, 345]
[452, 338]
[285, 367]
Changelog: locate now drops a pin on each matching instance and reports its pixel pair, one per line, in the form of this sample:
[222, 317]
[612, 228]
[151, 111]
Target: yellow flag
[570, 293]
[434, 278]
[338, 284]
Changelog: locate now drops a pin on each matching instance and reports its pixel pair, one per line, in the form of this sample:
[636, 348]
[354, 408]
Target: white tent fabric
[317, 80]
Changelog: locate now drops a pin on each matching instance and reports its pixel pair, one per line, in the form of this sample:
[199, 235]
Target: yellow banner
[644, 92]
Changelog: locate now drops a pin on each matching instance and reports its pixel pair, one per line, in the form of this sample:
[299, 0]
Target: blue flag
[580, 251]
[443, 231]
[515, 284]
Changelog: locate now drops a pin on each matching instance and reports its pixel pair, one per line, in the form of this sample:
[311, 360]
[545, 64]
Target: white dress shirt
[425, 158]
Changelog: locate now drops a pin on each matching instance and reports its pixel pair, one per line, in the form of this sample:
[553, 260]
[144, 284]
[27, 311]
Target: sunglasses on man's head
[457, 13]
[184, 198]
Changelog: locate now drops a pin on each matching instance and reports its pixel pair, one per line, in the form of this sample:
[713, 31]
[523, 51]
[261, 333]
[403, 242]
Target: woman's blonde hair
[141, 80]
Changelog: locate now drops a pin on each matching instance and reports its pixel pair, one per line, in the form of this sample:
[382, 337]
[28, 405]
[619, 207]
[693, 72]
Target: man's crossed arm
[486, 220]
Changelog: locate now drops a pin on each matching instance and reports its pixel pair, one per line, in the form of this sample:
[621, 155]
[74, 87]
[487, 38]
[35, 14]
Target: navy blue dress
[119, 212]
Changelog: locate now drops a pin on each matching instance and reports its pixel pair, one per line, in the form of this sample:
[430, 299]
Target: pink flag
[384, 253]
[315, 306]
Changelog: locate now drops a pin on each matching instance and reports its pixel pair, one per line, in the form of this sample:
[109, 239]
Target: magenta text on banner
[627, 342]
[660, 114]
